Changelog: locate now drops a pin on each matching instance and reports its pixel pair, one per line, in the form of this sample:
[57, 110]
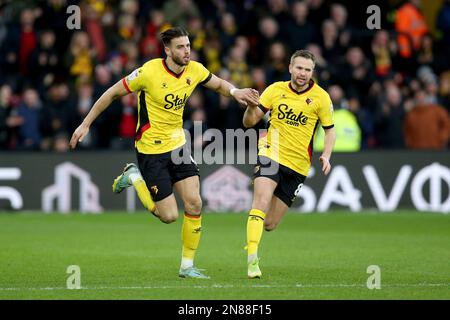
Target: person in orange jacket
[411, 26]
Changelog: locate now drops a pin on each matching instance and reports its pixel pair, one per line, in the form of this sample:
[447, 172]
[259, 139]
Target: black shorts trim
[160, 173]
[328, 127]
[289, 182]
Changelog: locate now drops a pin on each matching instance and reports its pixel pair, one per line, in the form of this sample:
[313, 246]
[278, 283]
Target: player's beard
[179, 61]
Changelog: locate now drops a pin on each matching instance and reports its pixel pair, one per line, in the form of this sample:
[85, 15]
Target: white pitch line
[220, 286]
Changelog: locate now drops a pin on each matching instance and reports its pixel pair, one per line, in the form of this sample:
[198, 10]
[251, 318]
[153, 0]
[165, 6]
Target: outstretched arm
[116, 91]
[253, 114]
[330, 138]
[244, 96]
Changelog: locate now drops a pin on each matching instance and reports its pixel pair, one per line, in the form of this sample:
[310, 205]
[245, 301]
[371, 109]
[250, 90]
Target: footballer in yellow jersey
[163, 87]
[295, 115]
[162, 96]
[296, 109]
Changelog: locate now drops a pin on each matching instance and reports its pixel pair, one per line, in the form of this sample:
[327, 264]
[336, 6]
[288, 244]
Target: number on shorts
[298, 189]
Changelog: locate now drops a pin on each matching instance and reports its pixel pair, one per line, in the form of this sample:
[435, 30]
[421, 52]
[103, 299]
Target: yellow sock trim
[255, 226]
[190, 235]
[144, 195]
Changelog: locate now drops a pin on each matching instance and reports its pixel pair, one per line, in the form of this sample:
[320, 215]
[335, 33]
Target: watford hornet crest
[154, 189]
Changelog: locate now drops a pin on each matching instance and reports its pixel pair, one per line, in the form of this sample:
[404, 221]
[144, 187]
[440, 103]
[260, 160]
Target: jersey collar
[176, 75]
[310, 85]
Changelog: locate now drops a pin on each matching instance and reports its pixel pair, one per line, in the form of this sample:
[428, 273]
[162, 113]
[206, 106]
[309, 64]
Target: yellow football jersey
[294, 116]
[162, 95]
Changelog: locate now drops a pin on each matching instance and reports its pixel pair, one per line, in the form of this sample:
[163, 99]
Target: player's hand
[79, 135]
[326, 166]
[247, 96]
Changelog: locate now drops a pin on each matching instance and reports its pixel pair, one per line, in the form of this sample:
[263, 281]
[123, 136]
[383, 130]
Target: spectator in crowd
[56, 111]
[348, 132]
[8, 121]
[128, 29]
[82, 104]
[211, 53]
[410, 26]
[365, 122]
[130, 56]
[28, 38]
[45, 62]
[127, 125]
[238, 67]
[29, 131]
[150, 45]
[197, 33]
[94, 29]
[389, 118]
[277, 65]
[279, 10]
[18, 45]
[102, 128]
[130, 7]
[228, 31]
[178, 12]
[318, 12]
[268, 34]
[425, 54]
[80, 58]
[382, 51]
[355, 74]
[339, 14]
[427, 125]
[301, 31]
[329, 41]
[259, 79]
[199, 139]
[196, 116]
[54, 17]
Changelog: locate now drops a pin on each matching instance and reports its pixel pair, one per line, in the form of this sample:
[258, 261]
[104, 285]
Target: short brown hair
[304, 54]
[172, 33]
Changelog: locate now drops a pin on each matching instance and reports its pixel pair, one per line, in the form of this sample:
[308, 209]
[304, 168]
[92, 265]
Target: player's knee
[168, 218]
[193, 205]
[270, 225]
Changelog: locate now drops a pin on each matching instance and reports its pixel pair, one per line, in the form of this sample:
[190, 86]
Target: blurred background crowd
[390, 87]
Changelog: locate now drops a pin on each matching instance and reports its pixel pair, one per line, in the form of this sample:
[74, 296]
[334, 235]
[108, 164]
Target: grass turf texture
[313, 256]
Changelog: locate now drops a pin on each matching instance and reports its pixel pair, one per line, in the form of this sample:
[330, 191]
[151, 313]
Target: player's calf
[261, 203]
[270, 225]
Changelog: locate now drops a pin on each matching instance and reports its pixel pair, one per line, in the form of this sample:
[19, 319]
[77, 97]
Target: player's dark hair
[304, 54]
[172, 33]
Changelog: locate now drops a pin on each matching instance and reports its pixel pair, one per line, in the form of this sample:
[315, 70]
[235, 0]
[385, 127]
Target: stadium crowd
[390, 87]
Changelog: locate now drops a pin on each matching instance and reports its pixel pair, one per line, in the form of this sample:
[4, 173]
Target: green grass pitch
[309, 256]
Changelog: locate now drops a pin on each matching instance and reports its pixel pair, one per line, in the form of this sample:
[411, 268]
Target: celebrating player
[284, 154]
[163, 87]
